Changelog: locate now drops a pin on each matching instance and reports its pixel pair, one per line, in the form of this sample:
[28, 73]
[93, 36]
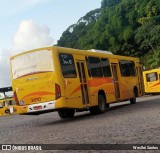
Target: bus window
[67, 65]
[125, 71]
[95, 67]
[152, 77]
[105, 67]
[132, 68]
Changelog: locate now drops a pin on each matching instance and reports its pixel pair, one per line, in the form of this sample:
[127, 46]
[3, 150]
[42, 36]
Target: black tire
[101, 108]
[7, 111]
[93, 110]
[66, 113]
[133, 100]
[107, 105]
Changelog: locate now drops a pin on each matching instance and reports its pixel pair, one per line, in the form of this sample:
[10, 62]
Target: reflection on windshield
[34, 73]
[32, 63]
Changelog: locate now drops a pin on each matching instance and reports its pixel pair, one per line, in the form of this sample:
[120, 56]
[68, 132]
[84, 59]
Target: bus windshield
[31, 63]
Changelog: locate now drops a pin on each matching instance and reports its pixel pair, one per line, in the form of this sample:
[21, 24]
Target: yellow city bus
[70, 80]
[152, 81]
[7, 106]
[7, 102]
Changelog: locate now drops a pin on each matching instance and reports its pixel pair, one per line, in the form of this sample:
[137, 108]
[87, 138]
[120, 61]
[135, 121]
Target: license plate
[37, 107]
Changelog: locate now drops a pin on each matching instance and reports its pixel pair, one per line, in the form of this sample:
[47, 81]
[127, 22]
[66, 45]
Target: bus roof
[101, 51]
[152, 70]
[78, 51]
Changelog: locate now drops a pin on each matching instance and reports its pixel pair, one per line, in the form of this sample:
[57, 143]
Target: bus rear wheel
[7, 111]
[101, 108]
[66, 113]
[133, 100]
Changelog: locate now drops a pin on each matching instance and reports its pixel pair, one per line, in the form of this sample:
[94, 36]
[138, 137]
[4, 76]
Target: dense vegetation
[125, 27]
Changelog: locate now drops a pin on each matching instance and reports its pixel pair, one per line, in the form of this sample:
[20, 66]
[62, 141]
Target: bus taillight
[57, 91]
[16, 98]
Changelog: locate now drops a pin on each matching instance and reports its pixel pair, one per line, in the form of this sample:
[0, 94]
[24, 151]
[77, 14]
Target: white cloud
[28, 36]
[4, 69]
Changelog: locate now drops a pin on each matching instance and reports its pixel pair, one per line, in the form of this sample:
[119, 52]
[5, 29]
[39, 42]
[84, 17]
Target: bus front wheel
[101, 108]
[66, 113]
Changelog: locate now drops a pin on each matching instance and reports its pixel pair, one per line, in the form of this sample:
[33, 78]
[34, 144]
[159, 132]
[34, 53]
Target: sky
[29, 24]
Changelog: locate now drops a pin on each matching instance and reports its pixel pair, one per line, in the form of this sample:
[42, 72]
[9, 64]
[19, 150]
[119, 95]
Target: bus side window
[95, 67]
[124, 67]
[106, 67]
[132, 68]
[67, 65]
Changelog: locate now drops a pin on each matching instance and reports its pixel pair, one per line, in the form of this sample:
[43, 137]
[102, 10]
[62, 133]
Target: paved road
[121, 123]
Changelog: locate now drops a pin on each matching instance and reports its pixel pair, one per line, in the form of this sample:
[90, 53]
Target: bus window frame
[73, 65]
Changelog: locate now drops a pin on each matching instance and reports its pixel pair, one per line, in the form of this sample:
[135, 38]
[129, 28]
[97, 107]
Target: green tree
[147, 35]
[105, 3]
[153, 60]
[125, 27]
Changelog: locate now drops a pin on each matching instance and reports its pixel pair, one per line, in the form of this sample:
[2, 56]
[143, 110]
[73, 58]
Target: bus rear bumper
[41, 107]
[36, 109]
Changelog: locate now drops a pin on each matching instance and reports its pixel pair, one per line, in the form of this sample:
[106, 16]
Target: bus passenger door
[83, 82]
[116, 81]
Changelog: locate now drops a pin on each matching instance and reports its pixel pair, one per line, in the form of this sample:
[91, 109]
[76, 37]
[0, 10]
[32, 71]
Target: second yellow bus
[152, 81]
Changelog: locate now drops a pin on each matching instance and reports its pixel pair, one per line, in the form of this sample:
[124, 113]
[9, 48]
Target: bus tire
[66, 113]
[100, 108]
[7, 111]
[133, 100]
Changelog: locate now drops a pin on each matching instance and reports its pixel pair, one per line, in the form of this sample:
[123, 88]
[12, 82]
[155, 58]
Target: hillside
[125, 27]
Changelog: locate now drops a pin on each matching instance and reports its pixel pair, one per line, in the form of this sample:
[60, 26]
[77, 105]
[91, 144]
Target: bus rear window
[67, 65]
[31, 63]
[152, 77]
